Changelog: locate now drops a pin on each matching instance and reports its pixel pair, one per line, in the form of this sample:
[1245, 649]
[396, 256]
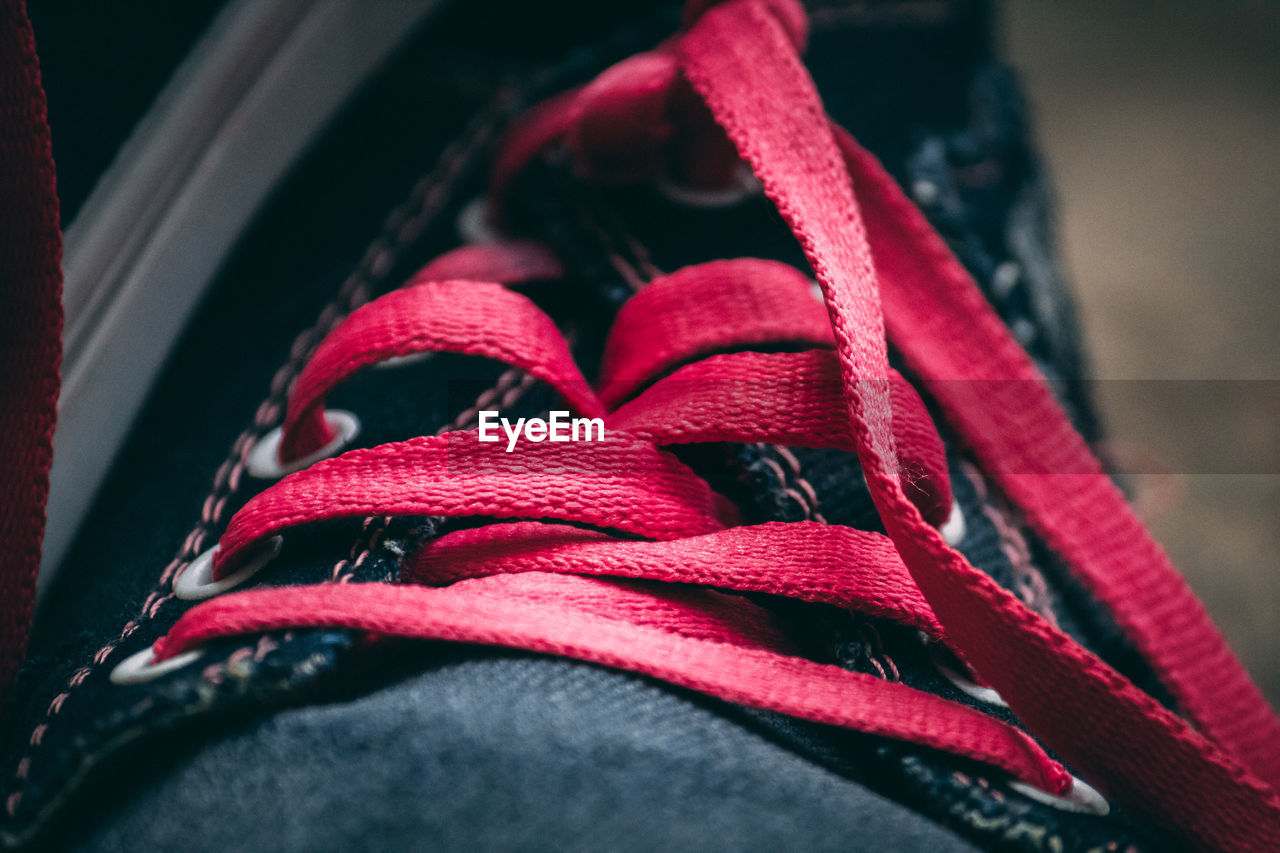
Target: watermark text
[560, 427]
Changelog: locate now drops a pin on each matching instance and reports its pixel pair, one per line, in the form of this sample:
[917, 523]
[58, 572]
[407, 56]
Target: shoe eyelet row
[196, 583]
[264, 460]
[1082, 798]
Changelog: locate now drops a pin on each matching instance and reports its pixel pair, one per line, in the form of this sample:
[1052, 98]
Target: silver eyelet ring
[196, 582]
[963, 683]
[1082, 798]
[1005, 278]
[403, 360]
[953, 530]
[744, 186]
[142, 666]
[1024, 331]
[473, 223]
[264, 460]
[925, 192]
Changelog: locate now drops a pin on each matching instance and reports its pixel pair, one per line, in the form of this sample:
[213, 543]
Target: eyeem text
[559, 428]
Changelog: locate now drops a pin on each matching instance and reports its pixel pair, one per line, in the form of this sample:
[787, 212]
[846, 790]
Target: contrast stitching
[810, 492]
[808, 500]
[510, 387]
[402, 227]
[888, 669]
[877, 655]
[371, 532]
[1029, 584]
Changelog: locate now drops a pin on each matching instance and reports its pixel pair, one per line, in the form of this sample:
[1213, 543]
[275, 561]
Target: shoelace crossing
[589, 594]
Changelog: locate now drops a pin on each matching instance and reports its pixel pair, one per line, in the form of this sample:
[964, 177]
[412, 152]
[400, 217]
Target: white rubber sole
[261, 83]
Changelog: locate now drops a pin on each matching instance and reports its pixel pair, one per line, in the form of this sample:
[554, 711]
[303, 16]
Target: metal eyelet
[925, 192]
[1005, 278]
[963, 683]
[196, 582]
[473, 223]
[953, 530]
[1024, 331]
[1082, 798]
[142, 666]
[403, 360]
[264, 460]
[745, 186]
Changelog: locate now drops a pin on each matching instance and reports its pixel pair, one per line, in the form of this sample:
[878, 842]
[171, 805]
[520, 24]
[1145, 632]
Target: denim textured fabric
[508, 753]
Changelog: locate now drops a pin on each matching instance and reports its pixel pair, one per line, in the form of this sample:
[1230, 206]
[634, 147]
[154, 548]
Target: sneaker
[825, 559]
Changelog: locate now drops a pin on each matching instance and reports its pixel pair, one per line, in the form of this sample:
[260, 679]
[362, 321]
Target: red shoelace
[638, 577]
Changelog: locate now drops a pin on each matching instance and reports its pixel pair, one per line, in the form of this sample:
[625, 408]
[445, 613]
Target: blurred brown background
[1161, 125]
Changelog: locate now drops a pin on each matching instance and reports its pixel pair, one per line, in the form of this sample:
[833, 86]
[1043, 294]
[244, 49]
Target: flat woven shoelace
[644, 588]
[872, 251]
